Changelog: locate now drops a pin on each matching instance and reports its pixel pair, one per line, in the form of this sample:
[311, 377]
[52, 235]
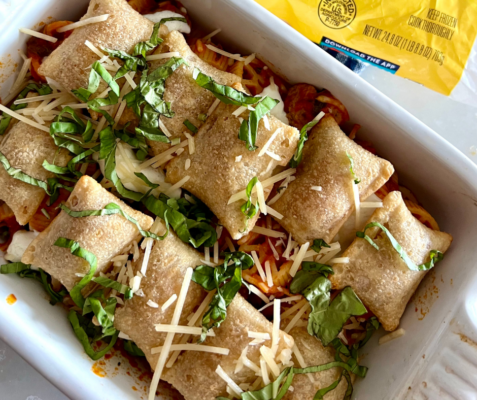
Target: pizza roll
[26, 147]
[104, 236]
[168, 262]
[193, 374]
[188, 99]
[320, 199]
[313, 354]
[381, 278]
[68, 64]
[222, 166]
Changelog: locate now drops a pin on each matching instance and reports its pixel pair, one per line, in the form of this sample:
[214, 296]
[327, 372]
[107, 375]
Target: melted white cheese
[279, 110]
[171, 25]
[20, 241]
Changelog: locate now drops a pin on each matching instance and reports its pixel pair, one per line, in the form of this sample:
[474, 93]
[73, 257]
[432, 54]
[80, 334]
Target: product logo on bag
[337, 14]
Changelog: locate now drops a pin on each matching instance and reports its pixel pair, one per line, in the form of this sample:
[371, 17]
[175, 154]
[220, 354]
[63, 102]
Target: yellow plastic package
[428, 41]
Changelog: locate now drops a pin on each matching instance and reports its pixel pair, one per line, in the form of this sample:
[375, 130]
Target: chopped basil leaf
[435, 255]
[119, 287]
[132, 349]
[84, 339]
[143, 47]
[112, 209]
[318, 244]
[78, 251]
[97, 71]
[130, 62]
[189, 125]
[227, 279]
[202, 117]
[228, 95]
[105, 316]
[325, 320]
[13, 268]
[25, 271]
[191, 222]
[249, 128]
[248, 208]
[55, 168]
[97, 103]
[51, 186]
[144, 178]
[351, 169]
[41, 89]
[63, 127]
[277, 389]
[297, 157]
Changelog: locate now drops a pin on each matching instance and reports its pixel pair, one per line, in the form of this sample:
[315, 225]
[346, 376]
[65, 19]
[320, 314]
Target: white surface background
[456, 122]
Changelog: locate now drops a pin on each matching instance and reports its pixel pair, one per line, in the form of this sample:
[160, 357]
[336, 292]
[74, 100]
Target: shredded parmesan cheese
[187, 163]
[269, 358]
[87, 21]
[178, 185]
[268, 273]
[301, 361]
[297, 316]
[38, 35]
[169, 302]
[356, 205]
[230, 244]
[257, 291]
[238, 158]
[214, 105]
[210, 35]
[317, 188]
[261, 198]
[170, 336]
[269, 142]
[152, 304]
[339, 260]
[266, 122]
[122, 335]
[189, 330]
[371, 204]
[268, 232]
[220, 372]
[224, 53]
[161, 56]
[276, 326]
[266, 183]
[299, 258]
[24, 119]
[21, 76]
[264, 371]
[193, 347]
[95, 50]
[274, 213]
[259, 335]
[291, 310]
[191, 142]
[239, 111]
[164, 154]
[249, 59]
[391, 336]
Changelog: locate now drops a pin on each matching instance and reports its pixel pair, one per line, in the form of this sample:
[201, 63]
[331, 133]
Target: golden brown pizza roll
[68, 64]
[26, 147]
[193, 374]
[320, 200]
[188, 99]
[222, 166]
[313, 354]
[165, 272]
[380, 278]
[104, 236]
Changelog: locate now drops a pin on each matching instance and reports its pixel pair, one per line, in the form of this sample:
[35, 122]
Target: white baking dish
[437, 357]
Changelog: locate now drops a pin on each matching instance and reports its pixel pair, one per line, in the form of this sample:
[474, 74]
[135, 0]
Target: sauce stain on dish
[11, 299]
[467, 340]
[425, 296]
[98, 370]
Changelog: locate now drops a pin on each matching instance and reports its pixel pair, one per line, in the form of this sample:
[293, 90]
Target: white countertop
[456, 122]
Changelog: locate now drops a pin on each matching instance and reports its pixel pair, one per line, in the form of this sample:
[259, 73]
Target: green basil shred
[228, 95]
[227, 280]
[297, 157]
[434, 255]
[351, 169]
[248, 208]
